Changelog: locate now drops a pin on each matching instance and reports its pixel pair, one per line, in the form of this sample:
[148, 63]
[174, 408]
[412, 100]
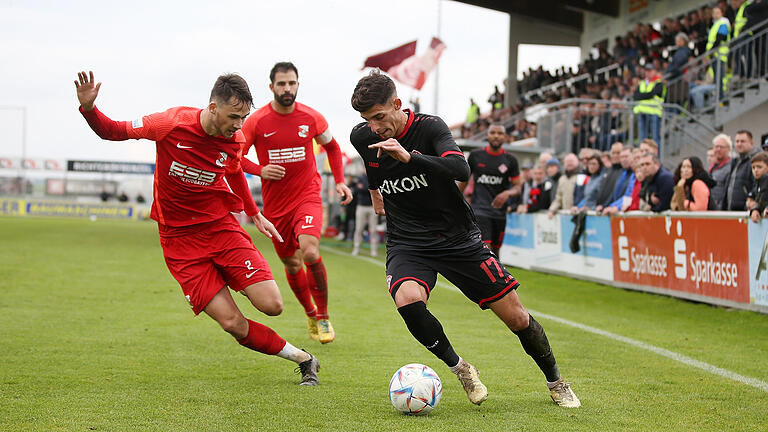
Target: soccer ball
[415, 389]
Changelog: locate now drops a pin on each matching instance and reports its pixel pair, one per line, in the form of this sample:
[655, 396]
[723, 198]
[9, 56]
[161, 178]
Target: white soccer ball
[415, 389]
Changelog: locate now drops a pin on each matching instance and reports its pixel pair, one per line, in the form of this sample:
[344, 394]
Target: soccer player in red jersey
[282, 132]
[204, 247]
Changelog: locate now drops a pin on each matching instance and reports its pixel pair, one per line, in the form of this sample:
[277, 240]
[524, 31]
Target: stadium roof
[567, 12]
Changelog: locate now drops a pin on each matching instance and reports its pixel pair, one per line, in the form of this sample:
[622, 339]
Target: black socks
[536, 345]
[429, 332]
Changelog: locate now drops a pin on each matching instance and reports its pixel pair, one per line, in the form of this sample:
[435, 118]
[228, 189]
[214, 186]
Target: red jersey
[286, 140]
[189, 186]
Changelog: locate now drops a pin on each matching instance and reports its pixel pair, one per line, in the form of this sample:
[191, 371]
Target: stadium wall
[713, 257]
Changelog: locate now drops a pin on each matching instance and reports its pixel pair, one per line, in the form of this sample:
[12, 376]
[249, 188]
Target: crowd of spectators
[735, 178]
[618, 74]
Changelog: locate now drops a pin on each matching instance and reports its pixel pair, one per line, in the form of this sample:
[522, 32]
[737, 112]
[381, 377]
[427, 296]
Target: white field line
[754, 382]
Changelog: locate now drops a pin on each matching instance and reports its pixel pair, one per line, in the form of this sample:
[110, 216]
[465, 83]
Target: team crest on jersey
[303, 131]
[502, 168]
[222, 161]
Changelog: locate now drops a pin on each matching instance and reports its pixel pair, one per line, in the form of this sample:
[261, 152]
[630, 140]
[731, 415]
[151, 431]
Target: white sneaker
[563, 395]
[355, 251]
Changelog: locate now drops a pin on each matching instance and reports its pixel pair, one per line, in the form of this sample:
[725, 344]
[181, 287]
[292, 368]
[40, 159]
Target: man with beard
[282, 132]
[496, 177]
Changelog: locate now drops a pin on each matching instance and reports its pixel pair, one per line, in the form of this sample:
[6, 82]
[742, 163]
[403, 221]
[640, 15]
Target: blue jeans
[652, 122]
[698, 92]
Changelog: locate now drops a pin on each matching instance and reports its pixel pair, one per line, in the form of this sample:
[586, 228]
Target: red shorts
[221, 254]
[306, 218]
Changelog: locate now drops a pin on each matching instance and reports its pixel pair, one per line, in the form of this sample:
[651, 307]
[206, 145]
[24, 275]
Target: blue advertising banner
[519, 231]
[595, 242]
[758, 262]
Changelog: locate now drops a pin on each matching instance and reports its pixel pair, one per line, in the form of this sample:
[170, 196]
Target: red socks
[262, 339]
[318, 287]
[300, 287]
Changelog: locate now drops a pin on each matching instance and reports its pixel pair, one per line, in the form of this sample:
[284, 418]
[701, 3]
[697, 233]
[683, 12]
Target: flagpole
[437, 67]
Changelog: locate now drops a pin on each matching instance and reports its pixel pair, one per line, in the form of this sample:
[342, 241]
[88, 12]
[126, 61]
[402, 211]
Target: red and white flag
[411, 70]
[391, 58]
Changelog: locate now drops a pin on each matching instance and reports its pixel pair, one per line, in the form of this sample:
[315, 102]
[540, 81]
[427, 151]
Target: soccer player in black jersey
[497, 177]
[413, 163]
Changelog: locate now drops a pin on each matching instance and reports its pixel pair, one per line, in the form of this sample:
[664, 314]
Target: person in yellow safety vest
[719, 37]
[650, 95]
[742, 56]
[472, 114]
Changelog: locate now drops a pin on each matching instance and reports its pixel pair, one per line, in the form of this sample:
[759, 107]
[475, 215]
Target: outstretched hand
[87, 90]
[266, 227]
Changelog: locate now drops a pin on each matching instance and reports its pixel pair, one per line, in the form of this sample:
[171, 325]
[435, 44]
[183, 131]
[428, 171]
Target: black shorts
[472, 267]
[492, 230]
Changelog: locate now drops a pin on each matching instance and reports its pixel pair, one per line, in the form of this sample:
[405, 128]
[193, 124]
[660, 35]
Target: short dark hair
[373, 89]
[282, 67]
[230, 86]
[745, 132]
[760, 157]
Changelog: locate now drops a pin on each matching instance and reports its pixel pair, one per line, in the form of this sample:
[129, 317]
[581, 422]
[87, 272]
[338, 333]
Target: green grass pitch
[96, 335]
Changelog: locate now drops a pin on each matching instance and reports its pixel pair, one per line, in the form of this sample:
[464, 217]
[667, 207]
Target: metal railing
[572, 124]
[603, 73]
[707, 84]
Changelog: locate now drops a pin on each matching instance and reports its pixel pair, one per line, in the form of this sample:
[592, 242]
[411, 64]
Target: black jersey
[424, 207]
[492, 173]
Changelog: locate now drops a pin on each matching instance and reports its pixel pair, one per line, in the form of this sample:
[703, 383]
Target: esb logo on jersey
[192, 175]
[293, 154]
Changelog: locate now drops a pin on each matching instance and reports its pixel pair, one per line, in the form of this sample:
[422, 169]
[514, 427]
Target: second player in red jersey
[282, 132]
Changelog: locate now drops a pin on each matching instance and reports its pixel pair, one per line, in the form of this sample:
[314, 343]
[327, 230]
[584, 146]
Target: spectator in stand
[678, 91]
[701, 84]
[711, 159]
[473, 113]
[740, 179]
[741, 55]
[521, 200]
[649, 146]
[728, 11]
[658, 185]
[623, 184]
[692, 187]
[650, 96]
[589, 190]
[630, 199]
[721, 147]
[539, 194]
[552, 170]
[496, 100]
[544, 158]
[140, 198]
[611, 175]
[757, 201]
[416, 104]
[565, 185]
[717, 39]
[757, 19]
[605, 158]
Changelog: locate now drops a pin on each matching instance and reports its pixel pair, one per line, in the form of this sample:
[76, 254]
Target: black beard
[286, 100]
